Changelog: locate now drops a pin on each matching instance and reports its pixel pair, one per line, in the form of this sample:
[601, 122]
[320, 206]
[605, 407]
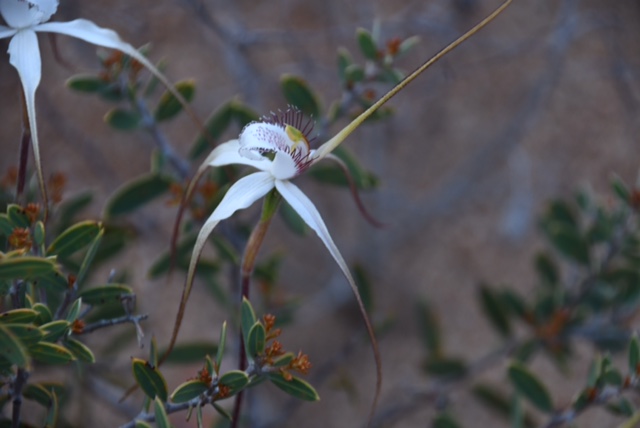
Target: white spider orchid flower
[279, 147]
[25, 18]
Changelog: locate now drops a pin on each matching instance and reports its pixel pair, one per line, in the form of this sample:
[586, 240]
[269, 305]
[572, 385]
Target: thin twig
[134, 319]
[18, 383]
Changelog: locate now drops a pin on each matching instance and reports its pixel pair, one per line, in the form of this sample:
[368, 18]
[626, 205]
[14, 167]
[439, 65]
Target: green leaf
[38, 393]
[17, 216]
[123, 120]
[54, 330]
[284, 359]
[87, 83]
[6, 227]
[74, 238]
[621, 189]
[568, 241]
[187, 353]
[70, 208]
[634, 355]
[561, 212]
[54, 281]
[295, 387]
[142, 424]
[445, 367]
[333, 174]
[26, 333]
[495, 310]
[137, 193]
[235, 380]
[51, 353]
[444, 420]
[44, 314]
[105, 294]
[18, 316]
[367, 44]
[12, 349]
[39, 234]
[429, 327]
[297, 93]
[52, 414]
[530, 387]
[26, 268]
[88, 258]
[188, 391]
[80, 350]
[169, 106]
[74, 310]
[150, 379]
[223, 412]
[547, 269]
[621, 407]
[215, 126]
[497, 401]
[344, 60]
[221, 346]
[247, 317]
[256, 340]
[162, 420]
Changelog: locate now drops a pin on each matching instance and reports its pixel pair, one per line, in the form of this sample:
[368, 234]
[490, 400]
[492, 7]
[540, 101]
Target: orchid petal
[88, 31]
[26, 13]
[242, 194]
[229, 153]
[24, 55]
[6, 31]
[284, 166]
[259, 137]
[305, 209]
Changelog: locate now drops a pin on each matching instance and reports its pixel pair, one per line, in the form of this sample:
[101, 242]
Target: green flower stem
[269, 208]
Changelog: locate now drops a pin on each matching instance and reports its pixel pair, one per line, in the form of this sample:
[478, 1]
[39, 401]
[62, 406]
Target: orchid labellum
[25, 18]
[280, 149]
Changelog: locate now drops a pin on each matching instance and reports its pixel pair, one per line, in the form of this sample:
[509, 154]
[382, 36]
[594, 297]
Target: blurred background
[540, 103]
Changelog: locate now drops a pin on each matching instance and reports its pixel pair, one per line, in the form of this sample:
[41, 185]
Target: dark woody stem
[269, 208]
[24, 152]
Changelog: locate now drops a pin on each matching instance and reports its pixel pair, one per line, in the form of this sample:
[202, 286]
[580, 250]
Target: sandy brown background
[543, 101]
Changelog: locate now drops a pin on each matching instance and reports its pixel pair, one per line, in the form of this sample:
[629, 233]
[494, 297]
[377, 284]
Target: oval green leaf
[150, 379]
[234, 379]
[123, 120]
[25, 268]
[137, 193]
[74, 238]
[169, 106]
[530, 387]
[80, 350]
[298, 94]
[188, 391]
[88, 84]
[295, 387]
[38, 393]
[51, 353]
[256, 340]
[162, 420]
[12, 349]
[18, 316]
[54, 330]
[367, 44]
[27, 334]
[105, 294]
[247, 317]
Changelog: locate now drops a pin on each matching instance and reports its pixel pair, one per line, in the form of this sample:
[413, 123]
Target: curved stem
[269, 208]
